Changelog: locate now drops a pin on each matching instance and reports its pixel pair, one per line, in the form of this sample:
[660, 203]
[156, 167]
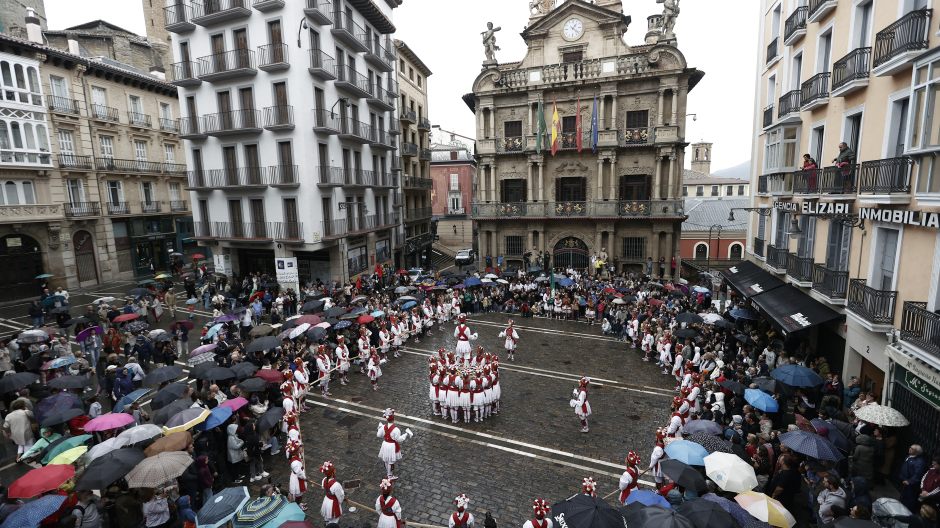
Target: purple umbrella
[459, 287]
[203, 349]
[90, 331]
[226, 318]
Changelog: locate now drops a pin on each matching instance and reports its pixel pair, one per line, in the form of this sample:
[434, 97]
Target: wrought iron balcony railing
[179, 205]
[777, 257]
[276, 117]
[800, 268]
[768, 116]
[407, 115]
[831, 283]
[105, 113]
[227, 62]
[118, 208]
[795, 22]
[78, 209]
[874, 306]
[140, 120]
[921, 327]
[233, 121]
[150, 207]
[887, 176]
[330, 176]
[584, 209]
[170, 125]
[408, 149]
[286, 175]
[789, 102]
[414, 182]
[513, 145]
[814, 89]
[63, 104]
[909, 33]
[71, 161]
[773, 49]
[856, 65]
[271, 55]
[839, 180]
[418, 213]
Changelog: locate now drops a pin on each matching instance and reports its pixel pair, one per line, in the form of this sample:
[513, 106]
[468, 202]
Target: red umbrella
[270, 375]
[670, 287]
[312, 320]
[609, 290]
[654, 302]
[188, 324]
[257, 295]
[804, 424]
[362, 319]
[198, 255]
[402, 272]
[39, 480]
[125, 317]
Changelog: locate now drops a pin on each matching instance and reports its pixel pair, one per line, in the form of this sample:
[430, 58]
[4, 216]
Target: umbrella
[129, 399]
[154, 471]
[745, 339]
[472, 281]
[192, 301]
[342, 324]
[688, 317]
[170, 410]
[686, 333]
[146, 281]
[44, 276]
[222, 507]
[167, 395]
[290, 513]
[32, 513]
[711, 318]
[310, 306]
[401, 289]
[68, 457]
[61, 309]
[733, 386]
[239, 309]
[491, 276]
[316, 333]
[687, 452]
[220, 373]
[621, 301]
[66, 444]
[299, 330]
[566, 282]
[705, 426]
[811, 445]
[648, 498]
[215, 329]
[136, 326]
[170, 443]
[200, 370]
[33, 336]
[77, 320]
[803, 424]
[835, 435]
[729, 472]
[885, 507]
[197, 256]
[761, 400]
[18, 381]
[108, 446]
[185, 420]
[103, 300]
[56, 404]
[243, 370]
[683, 474]
[654, 302]
[216, 418]
[334, 312]
[59, 363]
[881, 415]
[106, 422]
[797, 376]
[61, 418]
[270, 418]
[125, 317]
[203, 349]
[141, 291]
[141, 433]
[261, 330]
[584, 511]
[163, 275]
[234, 404]
[743, 314]
[88, 332]
[725, 324]
[39, 480]
[270, 375]
[167, 373]
[309, 319]
[707, 514]
[745, 519]
[52, 299]
[363, 319]
[408, 305]
[253, 385]
[263, 344]
[773, 386]
[765, 509]
[657, 516]
[226, 318]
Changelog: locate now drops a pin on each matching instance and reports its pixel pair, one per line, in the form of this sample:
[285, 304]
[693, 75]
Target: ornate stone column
[654, 241]
[600, 178]
[659, 117]
[613, 114]
[494, 193]
[657, 179]
[668, 255]
[675, 107]
[541, 182]
[481, 191]
[600, 118]
[613, 173]
[670, 192]
[529, 183]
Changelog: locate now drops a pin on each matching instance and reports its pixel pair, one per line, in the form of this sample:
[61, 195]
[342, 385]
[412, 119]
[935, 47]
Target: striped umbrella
[65, 445]
[257, 513]
[155, 470]
[185, 420]
[222, 507]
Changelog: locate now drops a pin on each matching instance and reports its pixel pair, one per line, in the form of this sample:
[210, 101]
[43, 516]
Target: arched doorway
[571, 252]
[736, 252]
[85, 257]
[20, 264]
[701, 251]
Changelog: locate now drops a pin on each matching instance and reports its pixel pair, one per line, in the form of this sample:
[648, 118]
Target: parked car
[415, 273]
[463, 257]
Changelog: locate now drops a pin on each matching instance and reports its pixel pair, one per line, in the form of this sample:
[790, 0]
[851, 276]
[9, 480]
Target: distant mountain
[741, 172]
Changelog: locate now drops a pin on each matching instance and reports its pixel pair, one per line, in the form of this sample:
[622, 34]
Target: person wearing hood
[234, 449]
[185, 512]
[206, 480]
[860, 495]
[832, 496]
[123, 384]
[718, 407]
[46, 437]
[863, 458]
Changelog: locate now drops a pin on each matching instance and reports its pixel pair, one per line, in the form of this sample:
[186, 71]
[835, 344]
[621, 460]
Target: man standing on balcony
[845, 158]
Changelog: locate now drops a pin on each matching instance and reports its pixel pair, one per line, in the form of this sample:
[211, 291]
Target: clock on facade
[573, 28]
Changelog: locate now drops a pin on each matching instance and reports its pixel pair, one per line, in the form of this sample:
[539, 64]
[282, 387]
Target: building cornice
[374, 15]
[412, 57]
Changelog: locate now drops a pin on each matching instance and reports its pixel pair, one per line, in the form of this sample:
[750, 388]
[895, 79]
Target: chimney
[33, 27]
[158, 72]
[74, 47]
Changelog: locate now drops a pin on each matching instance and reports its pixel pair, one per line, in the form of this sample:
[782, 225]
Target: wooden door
[248, 108]
[242, 54]
[274, 36]
[290, 216]
[281, 112]
[253, 165]
[872, 378]
[225, 110]
[230, 158]
[218, 50]
[287, 162]
[257, 218]
[235, 218]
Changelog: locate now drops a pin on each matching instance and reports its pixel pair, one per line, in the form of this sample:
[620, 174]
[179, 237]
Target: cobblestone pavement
[531, 449]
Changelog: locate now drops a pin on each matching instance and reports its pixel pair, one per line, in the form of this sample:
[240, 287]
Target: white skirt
[463, 348]
[388, 454]
[497, 392]
[326, 510]
[453, 396]
[444, 399]
[387, 521]
[581, 414]
[375, 373]
[487, 395]
[294, 485]
[431, 394]
[589, 314]
[463, 401]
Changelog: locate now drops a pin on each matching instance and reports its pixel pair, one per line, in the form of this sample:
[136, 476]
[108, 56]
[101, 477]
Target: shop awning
[749, 279]
[790, 310]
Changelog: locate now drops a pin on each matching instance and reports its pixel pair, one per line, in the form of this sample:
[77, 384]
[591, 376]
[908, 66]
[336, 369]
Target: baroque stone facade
[618, 194]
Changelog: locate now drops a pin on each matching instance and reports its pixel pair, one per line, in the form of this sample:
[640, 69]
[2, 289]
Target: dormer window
[573, 56]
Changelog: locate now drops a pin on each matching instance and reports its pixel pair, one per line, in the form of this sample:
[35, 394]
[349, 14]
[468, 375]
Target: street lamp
[708, 257]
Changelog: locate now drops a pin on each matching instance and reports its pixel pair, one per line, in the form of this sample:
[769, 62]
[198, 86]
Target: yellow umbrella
[162, 276]
[68, 457]
[765, 509]
[185, 420]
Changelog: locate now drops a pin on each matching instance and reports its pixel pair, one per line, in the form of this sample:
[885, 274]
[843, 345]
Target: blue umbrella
[648, 498]
[377, 313]
[61, 362]
[623, 289]
[811, 445]
[357, 310]
[130, 398]
[192, 301]
[214, 330]
[32, 513]
[408, 304]
[49, 301]
[259, 512]
[743, 314]
[688, 452]
[216, 418]
[55, 404]
[761, 400]
[44, 276]
[291, 512]
[796, 376]
[835, 435]
[343, 324]
[472, 281]
[566, 282]
[316, 333]
[222, 507]
[704, 426]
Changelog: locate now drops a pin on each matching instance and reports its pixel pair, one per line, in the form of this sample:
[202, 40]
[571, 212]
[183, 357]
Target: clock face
[573, 28]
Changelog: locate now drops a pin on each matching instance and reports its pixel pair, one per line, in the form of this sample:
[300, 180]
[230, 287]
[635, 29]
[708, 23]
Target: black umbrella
[446, 272]
[141, 291]
[167, 373]
[61, 417]
[253, 385]
[109, 467]
[686, 333]
[136, 326]
[243, 370]
[200, 370]
[707, 514]
[60, 309]
[773, 386]
[745, 339]
[171, 410]
[689, 317]
[584, 511]
[70, 382]
[849, 522]
[683, 474]
[78, 320]
[220, 373]
[239, 310]
[724, 324]
[733, 386]
[712, 444]
[316, 333]
[163, 336]
[311, 306]
[34, 362]
[262, 344]
[332, 320]
[658, 517]
[222, 507]
[334, 312]
[270, 418]
[168, 395]
[776, 343]
[19, 380]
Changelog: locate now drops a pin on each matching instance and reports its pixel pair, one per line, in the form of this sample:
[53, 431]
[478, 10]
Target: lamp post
[708, 257]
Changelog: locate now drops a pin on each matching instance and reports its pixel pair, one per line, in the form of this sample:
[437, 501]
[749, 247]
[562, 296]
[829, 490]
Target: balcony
[356, 178]
[458, 211]
[408, 149]
[839, 183]
[135, 119]
[818, 9]
[873, 309]
[128, 165]
[350, 225]
[795, 27]
[150, 207]
[63, 105]
[378, 56]
[424, 124]
[118, 208]
[319, 11]
[212, 12]
[632, 136]
[420, 213]
[192, 128]
[514, 145]
[178, 169]
[80, 209]
[387, 220]
[12, 214]
[386, 179]
[773, 50]
[380, 98]
[424, 154]
[290, 231]
[227, 65]
[273, 57]
[921, 328]
[897, 44]
[353, 82]
[806, 182]
[393, 87]
[886, 181]
[179, 206]
[326, 122]
[671, 209]
[279, 118]
[349, 32]
[284, 176]
[381, 140]
[330, 176]
[267, 5]
[396, 199]
[244, 231]
[831, 284]
[396, 164]
[407, 116]
[394, 126]
[170, 125]
[201, 180]
[800, 270]
[777, 184]
[238, 178]
[414, 182]
[759, 247]
[776, 259]
[788, 108]
[850, 73]
[178, 18]
[105, 113]
[234, 122]
[814, 92]
[184, 73]
[768, 116]
[354, 130]
[73, 162]
[322, 65]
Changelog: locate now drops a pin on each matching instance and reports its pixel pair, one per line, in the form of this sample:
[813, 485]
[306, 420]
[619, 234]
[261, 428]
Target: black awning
[791, 310]
[749, 279]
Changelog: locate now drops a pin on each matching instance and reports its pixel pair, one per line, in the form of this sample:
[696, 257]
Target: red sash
[388, 436]
[463, 334]
[461, 523]
[509, 335]
[301, 483]
[327, 484]
[386, 508]
[539, 523]
[630, 487]
[437, 387]
[584, 405]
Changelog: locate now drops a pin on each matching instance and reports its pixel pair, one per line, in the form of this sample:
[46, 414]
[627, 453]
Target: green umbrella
[260, 512]
[291, 512]
[64, 446]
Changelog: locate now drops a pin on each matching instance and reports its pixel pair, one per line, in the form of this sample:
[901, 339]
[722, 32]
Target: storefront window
[358, 260]
[382, 251]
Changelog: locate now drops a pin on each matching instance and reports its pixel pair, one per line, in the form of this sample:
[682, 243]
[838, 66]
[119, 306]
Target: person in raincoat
[46, 437]
[123, 385]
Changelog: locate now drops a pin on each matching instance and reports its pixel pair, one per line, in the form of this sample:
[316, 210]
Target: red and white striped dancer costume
[332, 508]
[461, 519]
[511, 336]
[392, 437]
[659, 451]
[581, 406]
[628, 481]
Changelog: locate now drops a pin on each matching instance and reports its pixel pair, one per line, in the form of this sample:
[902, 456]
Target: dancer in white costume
[580, 403]
[389, 507]
[335, 495]
[464, 336]
[392, 438]
[511, 341]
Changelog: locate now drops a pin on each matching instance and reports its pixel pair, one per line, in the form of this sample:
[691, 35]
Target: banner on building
[929, 378]
[286, 269]
[223, 264]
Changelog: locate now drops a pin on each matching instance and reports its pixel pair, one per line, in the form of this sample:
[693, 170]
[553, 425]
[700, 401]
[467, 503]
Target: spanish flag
[556, 125]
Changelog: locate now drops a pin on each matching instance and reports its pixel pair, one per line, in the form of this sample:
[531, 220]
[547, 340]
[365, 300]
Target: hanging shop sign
[900, 216]
[286, 269]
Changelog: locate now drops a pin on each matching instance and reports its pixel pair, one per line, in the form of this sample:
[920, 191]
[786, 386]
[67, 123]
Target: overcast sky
[719, 38]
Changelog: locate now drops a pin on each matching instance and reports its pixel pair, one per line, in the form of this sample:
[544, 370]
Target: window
[58, 86]
[700, 191]
[729, 190]
[358, 260]
[783, 227]
[886, 259]
[780, 149]
[115, 192]
[136, 109]
[174, 192]
[140, 153]
[928, 174]
[862, 30]
[685, 190]
[76, 191]
[572, 56]
[761, 226]
[107, 147]
[824, 51]
[817, 140]
[701, 251]
[837, 246]
[455, 182]
[411, 73]
[514, 245]
[512, 129]
[740, 190]
[796, 72]
[419, 81]
[638, 119]
[99, 107]
[633, 248]
[853, 131]
[169, 152]
[806, 244]
[146, 192]
[714, 190]
[735, 252]
[166, 111]
[65, 142]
